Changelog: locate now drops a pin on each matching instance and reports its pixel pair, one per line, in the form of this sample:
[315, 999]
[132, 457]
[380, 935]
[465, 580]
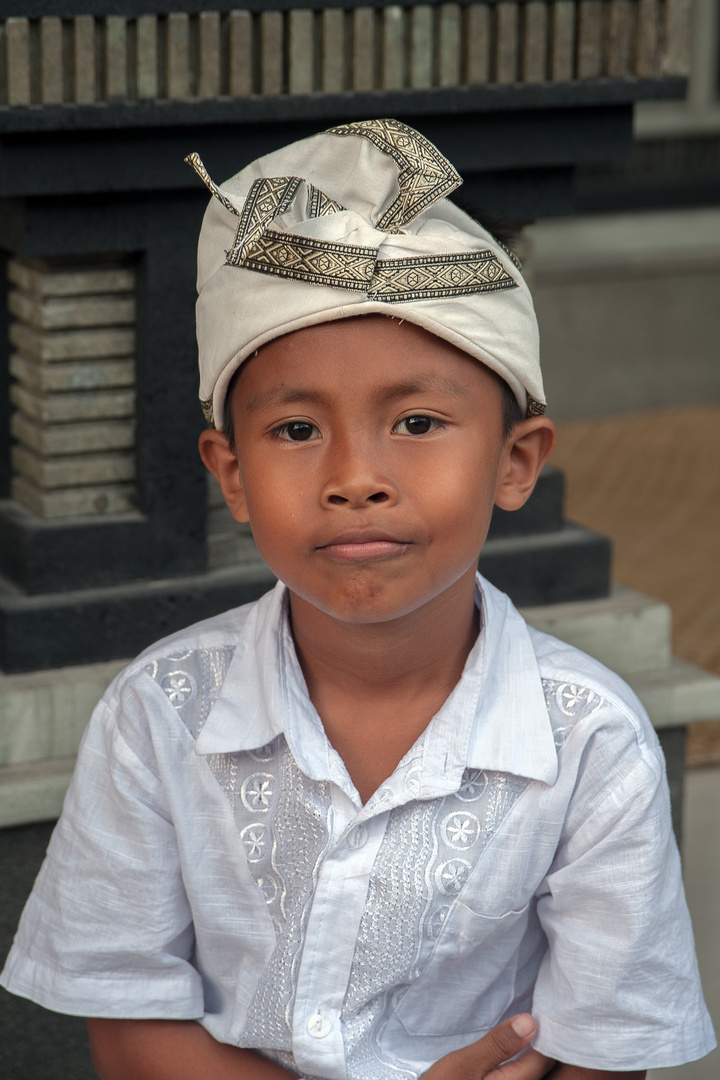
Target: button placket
[331, 932]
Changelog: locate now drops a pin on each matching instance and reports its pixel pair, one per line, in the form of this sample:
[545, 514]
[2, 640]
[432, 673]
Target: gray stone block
[72, 472]
[36, 276]
[74, 502]
[72, 344]
[54, 313]
[627, 631]
[73, 438]
[59, 408]
[82, 375]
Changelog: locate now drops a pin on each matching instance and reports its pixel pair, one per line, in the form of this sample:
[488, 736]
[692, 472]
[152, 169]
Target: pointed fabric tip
[195, 162]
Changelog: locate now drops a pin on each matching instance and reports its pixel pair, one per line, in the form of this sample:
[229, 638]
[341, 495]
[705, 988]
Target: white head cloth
[351, 222]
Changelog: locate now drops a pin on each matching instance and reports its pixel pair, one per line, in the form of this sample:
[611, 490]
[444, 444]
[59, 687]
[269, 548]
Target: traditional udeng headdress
[350, 222]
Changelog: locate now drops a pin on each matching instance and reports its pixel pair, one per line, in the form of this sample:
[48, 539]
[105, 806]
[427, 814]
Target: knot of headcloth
[350, 222]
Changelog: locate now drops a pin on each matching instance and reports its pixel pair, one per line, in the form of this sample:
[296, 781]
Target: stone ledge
[678, 695]
[627, 631]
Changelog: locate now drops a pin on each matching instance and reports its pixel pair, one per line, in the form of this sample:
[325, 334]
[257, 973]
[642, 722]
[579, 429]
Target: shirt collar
[495, 718]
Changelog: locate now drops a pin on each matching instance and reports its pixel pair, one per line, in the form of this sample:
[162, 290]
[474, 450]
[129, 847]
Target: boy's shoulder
[221, 633]
[581, 691]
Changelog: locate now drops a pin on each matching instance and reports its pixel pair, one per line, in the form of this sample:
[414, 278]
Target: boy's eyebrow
[383, 395]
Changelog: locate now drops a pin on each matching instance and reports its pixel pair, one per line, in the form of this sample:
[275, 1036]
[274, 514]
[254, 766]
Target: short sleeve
[108, 929]
[619, 987]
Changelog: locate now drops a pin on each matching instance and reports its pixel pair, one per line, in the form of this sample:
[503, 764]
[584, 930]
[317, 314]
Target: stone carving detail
[177, 56]
[72, 332]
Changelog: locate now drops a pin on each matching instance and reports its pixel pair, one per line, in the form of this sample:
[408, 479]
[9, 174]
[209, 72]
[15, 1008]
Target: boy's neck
[377, 686]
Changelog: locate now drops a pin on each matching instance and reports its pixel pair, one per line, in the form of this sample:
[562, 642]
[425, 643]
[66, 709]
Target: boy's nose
[357, 481]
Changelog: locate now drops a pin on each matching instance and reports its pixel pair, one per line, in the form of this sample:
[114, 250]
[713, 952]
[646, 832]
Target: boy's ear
[220, 460]
[527, 449]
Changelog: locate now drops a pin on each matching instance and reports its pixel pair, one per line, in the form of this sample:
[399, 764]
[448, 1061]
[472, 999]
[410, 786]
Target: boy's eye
[296, 431]
[416, 425]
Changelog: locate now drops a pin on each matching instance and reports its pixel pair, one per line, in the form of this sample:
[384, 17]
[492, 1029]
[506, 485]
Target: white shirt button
[319, 1026]
[357, 837]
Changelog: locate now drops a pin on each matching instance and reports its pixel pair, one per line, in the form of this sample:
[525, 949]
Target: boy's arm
[575, 1072]
[172, 1050]
[183, 1050]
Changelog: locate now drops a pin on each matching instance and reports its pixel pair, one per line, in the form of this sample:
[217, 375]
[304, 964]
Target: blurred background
[589, 127]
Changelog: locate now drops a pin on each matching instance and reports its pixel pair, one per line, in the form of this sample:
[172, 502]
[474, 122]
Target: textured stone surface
[72, 472]
[72, 344]
[64, 314]
[74, 502]
[43, 715]
[58, 408]
[73, 438]
[627, 630]
[82, 375]
[36, 276]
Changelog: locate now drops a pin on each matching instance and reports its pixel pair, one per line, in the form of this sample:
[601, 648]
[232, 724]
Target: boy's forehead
[391, 358]
[296, 240]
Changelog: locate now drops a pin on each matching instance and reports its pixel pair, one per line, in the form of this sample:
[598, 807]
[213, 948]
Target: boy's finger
[529, 1066]
[477, 1060]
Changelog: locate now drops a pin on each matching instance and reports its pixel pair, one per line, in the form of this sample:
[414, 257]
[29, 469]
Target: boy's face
[369, 455]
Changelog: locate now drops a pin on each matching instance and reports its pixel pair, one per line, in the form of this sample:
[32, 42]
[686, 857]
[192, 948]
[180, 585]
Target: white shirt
[214, 861]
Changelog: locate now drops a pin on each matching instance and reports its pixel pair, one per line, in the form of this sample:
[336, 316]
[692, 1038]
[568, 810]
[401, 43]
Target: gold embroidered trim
[207, 408]
[319, 262]
[195, 161]
[510, 253]
[535, 407]
[341, 266]
[267, 199]
[433, 276]
[425, 175]
[319, 204]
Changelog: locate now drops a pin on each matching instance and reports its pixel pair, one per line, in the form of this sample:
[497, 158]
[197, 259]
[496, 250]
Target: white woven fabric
[214, 861]
[350, 222]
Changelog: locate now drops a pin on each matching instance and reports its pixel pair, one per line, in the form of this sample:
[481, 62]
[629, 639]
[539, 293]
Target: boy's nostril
[378, 497]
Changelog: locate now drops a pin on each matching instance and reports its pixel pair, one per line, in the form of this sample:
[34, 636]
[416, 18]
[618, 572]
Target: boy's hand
[488, 1057]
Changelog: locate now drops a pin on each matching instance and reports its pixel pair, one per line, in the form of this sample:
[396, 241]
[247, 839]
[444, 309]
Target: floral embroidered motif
[460, 830]
[255, 841]
[257, 792]
[180, 688]
[474, 785]
[450, 876]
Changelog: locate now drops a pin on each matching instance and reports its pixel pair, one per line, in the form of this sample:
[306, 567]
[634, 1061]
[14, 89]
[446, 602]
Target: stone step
[678, 695]
[627, 631]
[43, 713]
[567, 564]
[77, 375]
[34, 792]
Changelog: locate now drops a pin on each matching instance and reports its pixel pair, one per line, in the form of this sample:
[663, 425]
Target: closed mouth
[363, 545]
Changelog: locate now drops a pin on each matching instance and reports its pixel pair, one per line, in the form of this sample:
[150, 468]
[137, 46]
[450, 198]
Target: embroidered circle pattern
[450, 876]
[263, 753]
[180, 687]
[460, 830]
[435, 923]
[569, 697]
[267, 886]
[473, 785]
[257, 792]
[255, 841]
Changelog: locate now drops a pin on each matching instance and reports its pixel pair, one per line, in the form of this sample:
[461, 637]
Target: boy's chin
[363, 602]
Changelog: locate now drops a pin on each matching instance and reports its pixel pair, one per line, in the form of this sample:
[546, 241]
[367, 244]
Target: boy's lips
[359, 545]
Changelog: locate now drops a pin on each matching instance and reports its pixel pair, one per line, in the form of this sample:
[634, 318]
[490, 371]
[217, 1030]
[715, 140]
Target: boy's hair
[511, 412]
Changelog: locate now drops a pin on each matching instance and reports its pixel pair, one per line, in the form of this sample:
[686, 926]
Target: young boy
[363, 827]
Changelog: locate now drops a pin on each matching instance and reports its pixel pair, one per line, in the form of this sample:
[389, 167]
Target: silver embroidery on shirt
[430, 852]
